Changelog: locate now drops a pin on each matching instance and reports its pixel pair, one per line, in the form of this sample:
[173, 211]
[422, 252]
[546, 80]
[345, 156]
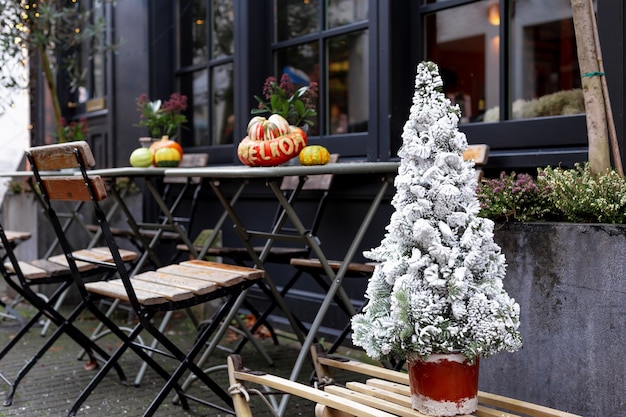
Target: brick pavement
[57, 378]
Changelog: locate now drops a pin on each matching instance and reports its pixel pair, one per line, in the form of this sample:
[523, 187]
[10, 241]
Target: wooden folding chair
[170, 288]
[23, 276]
[7, 311]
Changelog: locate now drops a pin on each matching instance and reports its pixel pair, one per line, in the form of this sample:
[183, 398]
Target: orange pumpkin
[272, 152]
[314, 155]
[165, 142]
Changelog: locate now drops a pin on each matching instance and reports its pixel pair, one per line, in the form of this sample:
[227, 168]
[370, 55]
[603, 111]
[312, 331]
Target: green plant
[556, 194]
[296, 106]
[162, 118]
[76, 130]
[59, 33]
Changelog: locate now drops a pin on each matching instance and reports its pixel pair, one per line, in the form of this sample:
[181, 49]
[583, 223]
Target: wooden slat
[13, 235]
[221, 278]
[376, 392]
[62, 260]
[127, 255]
[523, 407]
[72, 188]
[30, 271]
[61, 156]
[198, 286]
[110, 289]
[247, 273]
[366, 369]
[401, 389]
[311, 394]
[482, 411]
[314, 263]
[379, 402]
[477, 153]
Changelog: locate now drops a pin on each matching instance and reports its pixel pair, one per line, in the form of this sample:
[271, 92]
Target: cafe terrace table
[273, 177]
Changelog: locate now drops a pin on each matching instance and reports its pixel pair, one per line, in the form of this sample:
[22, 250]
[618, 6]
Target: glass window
[206, 77]
[544, 79]
[348, 77]
[338, 60]
[545, 74]
[343, 12]
[296, 18]
[223, 18]
[88, 80]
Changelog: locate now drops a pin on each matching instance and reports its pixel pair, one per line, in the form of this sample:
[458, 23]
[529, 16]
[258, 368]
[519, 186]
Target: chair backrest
[48, 163]
[64, 156]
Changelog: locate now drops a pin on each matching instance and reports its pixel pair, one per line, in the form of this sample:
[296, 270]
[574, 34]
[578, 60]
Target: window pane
[348, 83]
[222, 31]
[192, 33]
[301, 63]
[343, 12]
[199, 122]
[545, 73]
[465, 46]
[296, 18]
[223, 120]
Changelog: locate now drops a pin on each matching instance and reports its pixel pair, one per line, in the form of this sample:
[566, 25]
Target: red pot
[444, 384]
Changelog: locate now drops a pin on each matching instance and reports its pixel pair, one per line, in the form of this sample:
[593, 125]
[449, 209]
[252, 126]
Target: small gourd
[141, 158]
[167, 157]
[314, 155]
[165, 142]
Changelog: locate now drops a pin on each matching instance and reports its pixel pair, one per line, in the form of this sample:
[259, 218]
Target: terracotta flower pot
[444, 384]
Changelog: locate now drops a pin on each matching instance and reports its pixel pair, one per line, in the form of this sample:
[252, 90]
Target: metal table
[273, 176]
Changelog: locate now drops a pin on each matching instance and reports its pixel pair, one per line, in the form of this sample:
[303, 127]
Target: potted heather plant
[436, 297]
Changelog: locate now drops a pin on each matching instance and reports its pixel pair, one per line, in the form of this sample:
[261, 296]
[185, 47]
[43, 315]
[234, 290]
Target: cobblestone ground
[51, 386]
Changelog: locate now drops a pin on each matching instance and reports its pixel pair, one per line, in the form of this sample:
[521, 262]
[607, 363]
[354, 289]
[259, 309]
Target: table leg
[336, 284]
[258, 263]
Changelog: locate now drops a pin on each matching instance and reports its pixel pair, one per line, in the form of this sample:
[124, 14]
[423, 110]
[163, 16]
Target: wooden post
[590, 68]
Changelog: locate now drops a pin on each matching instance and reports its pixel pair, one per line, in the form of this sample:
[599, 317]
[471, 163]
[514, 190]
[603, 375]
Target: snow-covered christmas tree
[438, 285]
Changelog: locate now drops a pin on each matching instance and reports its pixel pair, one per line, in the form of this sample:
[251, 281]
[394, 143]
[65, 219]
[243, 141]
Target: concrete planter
[570, 282]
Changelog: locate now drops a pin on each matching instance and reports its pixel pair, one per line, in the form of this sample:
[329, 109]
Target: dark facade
[365, 53]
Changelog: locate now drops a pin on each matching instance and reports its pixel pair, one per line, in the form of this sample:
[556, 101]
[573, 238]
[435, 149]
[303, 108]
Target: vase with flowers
[281, 136]
[162, 118]
[436, 297]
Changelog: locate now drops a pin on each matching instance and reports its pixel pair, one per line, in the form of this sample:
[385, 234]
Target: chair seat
[57, 266]
[174, 283]
[314, 265]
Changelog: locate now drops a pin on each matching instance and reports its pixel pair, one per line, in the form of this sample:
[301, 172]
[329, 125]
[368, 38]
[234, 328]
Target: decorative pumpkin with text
[314, 155]
[270, 142]
[166, 142]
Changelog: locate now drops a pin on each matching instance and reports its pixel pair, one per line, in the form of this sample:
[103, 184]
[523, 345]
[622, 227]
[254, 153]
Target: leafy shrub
[556, 194]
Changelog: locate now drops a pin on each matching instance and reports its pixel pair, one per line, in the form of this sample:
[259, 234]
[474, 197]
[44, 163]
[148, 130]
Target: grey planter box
[570, 282]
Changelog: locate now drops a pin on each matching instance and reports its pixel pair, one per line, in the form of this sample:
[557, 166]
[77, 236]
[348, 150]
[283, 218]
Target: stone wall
[570, 282]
